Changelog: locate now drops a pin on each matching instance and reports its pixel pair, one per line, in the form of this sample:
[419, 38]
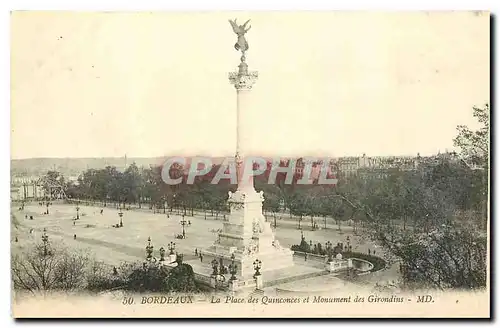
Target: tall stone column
[243, 81]
[245, 203]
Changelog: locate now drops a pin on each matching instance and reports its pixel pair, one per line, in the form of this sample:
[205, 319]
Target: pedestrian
[74, 222]
[305, 256]
[373, 252]
[196, 251]
[201, 257]
[168, 216]
[26, 217]
[74, 236]
[17, 239]
[369, 251]
[115, 271]
[189, 222]
[102, 210]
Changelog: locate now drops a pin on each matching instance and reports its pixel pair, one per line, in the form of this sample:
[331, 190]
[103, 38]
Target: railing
[311, 256]
[207, 280]
[202, 278]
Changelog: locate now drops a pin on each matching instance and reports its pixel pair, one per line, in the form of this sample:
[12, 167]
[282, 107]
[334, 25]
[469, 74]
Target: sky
[150, 84]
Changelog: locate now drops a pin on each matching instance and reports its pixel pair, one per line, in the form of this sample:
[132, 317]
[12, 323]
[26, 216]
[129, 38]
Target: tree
[132, 183]
[45, 267]
[474, 145]
[272, 199]
[440, 251]
[54, 184]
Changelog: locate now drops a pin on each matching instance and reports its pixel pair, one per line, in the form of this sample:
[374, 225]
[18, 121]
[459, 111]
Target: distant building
[382, 166]
[26, 188]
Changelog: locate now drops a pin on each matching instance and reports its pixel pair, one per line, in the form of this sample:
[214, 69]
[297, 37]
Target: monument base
[248, 237]
[271, 259]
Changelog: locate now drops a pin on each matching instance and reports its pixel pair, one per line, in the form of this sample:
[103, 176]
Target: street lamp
[162, 254]
[233, 268]
[45, 240]
[120, 214]
[215, 266]
[183, 223]
[171, 247]
[149, 250]
[77, 212]
[219, 278]
[329, 251]
[174, 203]
[257, 265]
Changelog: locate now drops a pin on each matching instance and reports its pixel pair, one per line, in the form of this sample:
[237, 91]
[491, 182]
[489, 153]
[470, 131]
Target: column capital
[243, 81]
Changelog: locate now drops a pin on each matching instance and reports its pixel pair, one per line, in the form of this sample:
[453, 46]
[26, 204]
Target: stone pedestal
[233, 285]
[249, 237]
[259, 282]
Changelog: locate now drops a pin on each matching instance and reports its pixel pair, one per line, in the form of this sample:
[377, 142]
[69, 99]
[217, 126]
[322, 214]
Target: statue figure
[240, 30]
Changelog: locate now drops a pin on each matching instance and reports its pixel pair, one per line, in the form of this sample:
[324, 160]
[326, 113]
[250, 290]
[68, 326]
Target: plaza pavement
[114, 245]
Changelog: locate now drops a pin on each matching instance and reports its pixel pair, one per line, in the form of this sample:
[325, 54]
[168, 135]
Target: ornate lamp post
[164, 200]
[77, 212]
[233, 268]
[215, 266]
[162, 254]
[171, 247]
[45, 240]
[183, 223]
[257, 265]
[120, 214]
[149, 250]
[219, 278]
[329, 251]
[348, 242]
[174, 203]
